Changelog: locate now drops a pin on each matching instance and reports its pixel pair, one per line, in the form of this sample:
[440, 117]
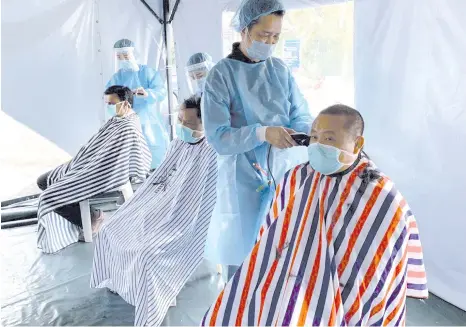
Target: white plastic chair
[126, 190]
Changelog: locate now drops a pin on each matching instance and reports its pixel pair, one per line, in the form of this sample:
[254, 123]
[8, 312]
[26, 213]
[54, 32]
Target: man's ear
[359, 144]
[244, 35]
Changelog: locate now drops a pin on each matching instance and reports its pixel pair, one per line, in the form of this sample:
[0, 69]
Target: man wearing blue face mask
[251, 105]
[340, 246]
[114, 155]
[149, 248]
[149, 89]
[189, 128]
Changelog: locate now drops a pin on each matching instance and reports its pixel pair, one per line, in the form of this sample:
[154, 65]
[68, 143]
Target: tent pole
[168, 41]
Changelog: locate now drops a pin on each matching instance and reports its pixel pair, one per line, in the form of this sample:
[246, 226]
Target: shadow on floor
[54, 290]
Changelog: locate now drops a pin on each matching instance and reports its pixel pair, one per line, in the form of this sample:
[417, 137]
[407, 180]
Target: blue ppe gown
[152, 122]
[238, 98]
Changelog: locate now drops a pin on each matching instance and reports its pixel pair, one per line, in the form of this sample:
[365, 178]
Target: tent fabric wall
[410, 77]
[57, 58]
[197, 27]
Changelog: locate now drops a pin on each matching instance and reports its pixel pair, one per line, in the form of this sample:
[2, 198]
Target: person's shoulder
[280, 67]
[370, 173]
[114, 79]
[378, 180]
[148, 70]
[278, 61]
[218, 75]
[131, 120]
[298, 173]
[174, 147]
[279, 64]
[387, 192]
[175, 143]
[210, 151]
[222, 65]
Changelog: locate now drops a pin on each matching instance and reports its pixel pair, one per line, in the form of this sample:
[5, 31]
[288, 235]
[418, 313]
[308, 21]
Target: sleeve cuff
[260, 132]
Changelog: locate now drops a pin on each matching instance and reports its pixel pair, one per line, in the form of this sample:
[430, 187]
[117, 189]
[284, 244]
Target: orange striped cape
[335, 250]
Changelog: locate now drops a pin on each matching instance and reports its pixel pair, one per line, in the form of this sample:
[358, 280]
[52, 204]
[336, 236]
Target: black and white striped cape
[117, 152]
[149, 248]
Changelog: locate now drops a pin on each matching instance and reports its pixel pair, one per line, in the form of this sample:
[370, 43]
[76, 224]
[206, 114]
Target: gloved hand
[140, 92]
[280, 137]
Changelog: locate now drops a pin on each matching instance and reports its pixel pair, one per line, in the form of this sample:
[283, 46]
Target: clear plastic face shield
[124, 58]
[196, 75]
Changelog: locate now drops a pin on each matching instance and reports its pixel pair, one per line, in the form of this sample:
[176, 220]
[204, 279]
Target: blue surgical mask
[325, 158]
[128, 65]
[186, 134]
[111, 110]
[201, 84]
[260, 51]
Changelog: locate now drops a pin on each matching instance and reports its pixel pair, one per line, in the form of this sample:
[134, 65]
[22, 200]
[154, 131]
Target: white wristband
[260, 133]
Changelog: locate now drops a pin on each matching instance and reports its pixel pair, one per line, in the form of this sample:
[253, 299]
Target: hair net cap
[198, 58]
[250, 10]
[123, 43]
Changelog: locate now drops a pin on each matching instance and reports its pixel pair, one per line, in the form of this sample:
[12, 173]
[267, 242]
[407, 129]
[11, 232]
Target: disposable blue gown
[239, 97]
[152, 122]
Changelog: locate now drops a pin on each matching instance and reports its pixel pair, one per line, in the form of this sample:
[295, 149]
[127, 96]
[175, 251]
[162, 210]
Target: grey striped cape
[117, 152]
[149, 248]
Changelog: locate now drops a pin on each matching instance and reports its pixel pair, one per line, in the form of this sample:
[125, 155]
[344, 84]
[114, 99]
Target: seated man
[107, 161]
[340, 245]
[148, 249]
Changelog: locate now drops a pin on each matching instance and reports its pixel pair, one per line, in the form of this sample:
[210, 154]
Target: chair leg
[86, 220]
[127, 191]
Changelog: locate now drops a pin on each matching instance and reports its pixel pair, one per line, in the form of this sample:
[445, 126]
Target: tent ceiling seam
[166, 3]
[161, 21]
[175, 8]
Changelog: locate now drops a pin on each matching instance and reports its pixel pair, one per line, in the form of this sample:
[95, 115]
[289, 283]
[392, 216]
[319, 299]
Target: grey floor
[54, 290]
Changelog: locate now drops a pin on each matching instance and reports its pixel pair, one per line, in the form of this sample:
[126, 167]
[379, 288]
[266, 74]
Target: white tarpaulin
[197, 28]
[57, 58]
[411, 88]
[410, 85]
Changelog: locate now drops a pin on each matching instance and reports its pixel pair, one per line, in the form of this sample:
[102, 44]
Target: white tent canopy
[409, 78]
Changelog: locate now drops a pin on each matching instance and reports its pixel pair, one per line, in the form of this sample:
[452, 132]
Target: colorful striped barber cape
[116, 153]
[149, 248]
[340, 250]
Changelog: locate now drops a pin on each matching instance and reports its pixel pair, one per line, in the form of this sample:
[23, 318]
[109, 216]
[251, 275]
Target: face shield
[124, 59]
[196, 75]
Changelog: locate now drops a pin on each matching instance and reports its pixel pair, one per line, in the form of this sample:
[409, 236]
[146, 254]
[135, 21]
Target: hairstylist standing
[148, 88]
[251, 105]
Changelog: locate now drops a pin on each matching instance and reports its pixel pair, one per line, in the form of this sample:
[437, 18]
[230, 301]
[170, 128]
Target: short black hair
[192, 102]
[354, 121]
[122, 92]
[279, 13]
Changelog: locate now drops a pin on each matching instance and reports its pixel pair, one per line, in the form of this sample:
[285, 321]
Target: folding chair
[126, 190]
